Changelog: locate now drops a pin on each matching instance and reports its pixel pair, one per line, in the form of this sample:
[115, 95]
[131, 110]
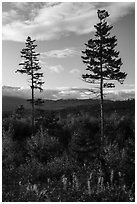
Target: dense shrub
[21, 128]
[13, 152]
[63, 161]
[8, 144]
[118, 164]
[43, 147]
[85, 142]
[125, 130]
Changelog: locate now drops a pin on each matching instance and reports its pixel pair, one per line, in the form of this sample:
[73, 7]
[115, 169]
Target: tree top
[102, 14]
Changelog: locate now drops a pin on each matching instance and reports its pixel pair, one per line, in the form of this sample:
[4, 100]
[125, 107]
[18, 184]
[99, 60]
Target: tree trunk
[101, 112]
[101, 94]
[33, 118]
[32, 89]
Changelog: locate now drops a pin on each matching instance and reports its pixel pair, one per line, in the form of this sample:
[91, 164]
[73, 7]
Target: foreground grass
[63, 162]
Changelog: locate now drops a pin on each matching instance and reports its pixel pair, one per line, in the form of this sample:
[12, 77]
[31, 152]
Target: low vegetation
[64, 161]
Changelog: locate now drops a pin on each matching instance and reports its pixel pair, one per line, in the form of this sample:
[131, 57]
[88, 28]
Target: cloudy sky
[60, 31]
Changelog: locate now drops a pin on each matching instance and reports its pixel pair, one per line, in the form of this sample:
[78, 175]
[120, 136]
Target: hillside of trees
[62, 161]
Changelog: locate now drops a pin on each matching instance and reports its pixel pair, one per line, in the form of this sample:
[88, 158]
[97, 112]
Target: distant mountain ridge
[64, 93]
[14, 97]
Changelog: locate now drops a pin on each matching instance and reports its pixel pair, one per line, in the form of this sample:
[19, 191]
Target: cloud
[81, 93]
[67, 52]
[56, 68]
[52, 68]
[73, 71]
[67, 93]
[123, 94]
[52, 21]
[116, 91]
[8, 17]
[130, 85]
[62, 88]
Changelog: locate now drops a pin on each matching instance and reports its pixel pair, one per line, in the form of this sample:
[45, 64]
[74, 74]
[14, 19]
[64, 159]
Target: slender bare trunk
[101, 95]
[32, 89]
[101, 111]
[33, 117]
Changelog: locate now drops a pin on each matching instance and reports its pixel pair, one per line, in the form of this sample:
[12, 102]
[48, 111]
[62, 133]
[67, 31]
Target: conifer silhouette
[102, 61]
[31, 67]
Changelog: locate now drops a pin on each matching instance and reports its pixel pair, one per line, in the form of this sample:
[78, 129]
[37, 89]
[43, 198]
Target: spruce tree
[31, 67]
[102, 61]
[85, 142]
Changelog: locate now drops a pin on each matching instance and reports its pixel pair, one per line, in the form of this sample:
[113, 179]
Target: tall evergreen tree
[102, 61]
[31, 67]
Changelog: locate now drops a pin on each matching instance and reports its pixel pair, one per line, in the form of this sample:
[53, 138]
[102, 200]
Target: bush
[21, 128]
[13, 152]
[43, 147]
[8, 145]
[125, 130]
[85, 142]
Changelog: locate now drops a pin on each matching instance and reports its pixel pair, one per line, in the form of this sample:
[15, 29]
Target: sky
[60, 31]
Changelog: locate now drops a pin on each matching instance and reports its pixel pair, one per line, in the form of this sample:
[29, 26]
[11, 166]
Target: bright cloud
[52, 68]
[51, 21]
[67, 52]
[73, 71]
[56, 68]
